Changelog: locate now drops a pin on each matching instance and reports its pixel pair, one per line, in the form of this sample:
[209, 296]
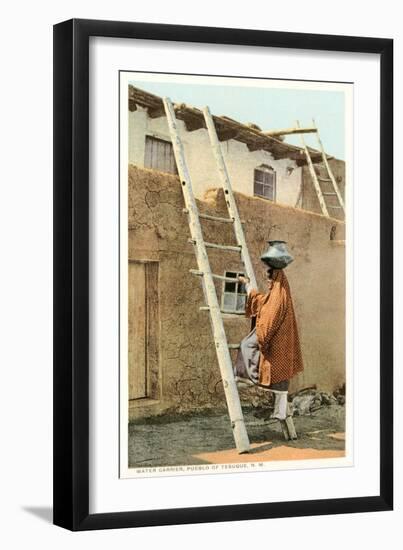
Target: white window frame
[265, 169]
[236, 293]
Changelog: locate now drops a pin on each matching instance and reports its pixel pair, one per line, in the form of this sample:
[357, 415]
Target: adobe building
[172, 359]
[259, 163]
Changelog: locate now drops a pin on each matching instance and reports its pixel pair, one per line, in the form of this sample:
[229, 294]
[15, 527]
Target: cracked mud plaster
[158, 230]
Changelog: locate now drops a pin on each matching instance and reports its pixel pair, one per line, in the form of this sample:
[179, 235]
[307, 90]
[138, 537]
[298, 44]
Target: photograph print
[235, 267]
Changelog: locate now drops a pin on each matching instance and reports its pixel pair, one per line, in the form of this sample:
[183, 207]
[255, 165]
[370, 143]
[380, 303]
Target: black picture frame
[71, 273]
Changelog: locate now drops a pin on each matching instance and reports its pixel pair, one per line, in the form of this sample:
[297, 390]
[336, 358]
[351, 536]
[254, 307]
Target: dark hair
[270, 272]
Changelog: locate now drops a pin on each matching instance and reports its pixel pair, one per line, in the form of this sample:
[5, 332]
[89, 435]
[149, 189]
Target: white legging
[280, 405]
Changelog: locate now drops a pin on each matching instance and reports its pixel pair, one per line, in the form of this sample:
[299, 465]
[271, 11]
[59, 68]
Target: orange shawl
[276, 331]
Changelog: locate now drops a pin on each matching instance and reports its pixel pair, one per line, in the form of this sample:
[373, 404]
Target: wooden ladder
[204, 270]
[322, 195]
[287, 425]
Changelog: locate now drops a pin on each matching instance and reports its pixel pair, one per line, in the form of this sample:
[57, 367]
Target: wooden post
[291, 428]
[299, 198]
[290, 423]
[284, 429]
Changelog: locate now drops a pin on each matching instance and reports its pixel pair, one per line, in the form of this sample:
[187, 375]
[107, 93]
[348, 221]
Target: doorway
[143, 330]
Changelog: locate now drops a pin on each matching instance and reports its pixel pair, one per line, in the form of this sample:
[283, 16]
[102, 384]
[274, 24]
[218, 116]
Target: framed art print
[223, 274]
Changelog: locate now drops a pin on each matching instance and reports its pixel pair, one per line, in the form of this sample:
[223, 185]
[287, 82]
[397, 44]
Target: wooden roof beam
[296, 156]
[156, 112]
[289, 131]
[227, 128]
[224, 134]
[192, 123]
[143, 98]
[256, 145]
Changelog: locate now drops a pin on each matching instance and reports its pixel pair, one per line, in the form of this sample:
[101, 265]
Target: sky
[269, 108]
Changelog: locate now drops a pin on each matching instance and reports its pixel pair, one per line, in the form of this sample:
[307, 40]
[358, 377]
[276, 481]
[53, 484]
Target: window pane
[259, 176]
[240, 303]
[241, 288]
[264, 182]
[258, 189]
[229, 301]
[266, 177]
[268, 191]
[230, 287]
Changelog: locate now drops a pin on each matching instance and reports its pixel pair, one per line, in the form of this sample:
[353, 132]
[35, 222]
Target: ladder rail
[314, 177]
[220, 339]
[298, 202]
[229, 197]
[329, 170]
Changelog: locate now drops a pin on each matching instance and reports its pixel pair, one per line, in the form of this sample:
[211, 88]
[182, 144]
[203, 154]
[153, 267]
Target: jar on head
[277, 255]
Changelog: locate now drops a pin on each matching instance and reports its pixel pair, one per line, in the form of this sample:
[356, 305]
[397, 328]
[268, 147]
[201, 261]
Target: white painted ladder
[322, 195]
[287, 425]
[204, 271]
[206, 275]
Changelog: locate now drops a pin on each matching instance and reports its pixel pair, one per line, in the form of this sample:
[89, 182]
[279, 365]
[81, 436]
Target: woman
[275, 336]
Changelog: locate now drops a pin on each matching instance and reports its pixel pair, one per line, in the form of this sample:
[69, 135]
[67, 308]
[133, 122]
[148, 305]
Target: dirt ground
[205, 438]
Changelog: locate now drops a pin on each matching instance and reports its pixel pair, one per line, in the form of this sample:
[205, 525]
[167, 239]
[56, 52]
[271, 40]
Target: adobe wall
[158, 230]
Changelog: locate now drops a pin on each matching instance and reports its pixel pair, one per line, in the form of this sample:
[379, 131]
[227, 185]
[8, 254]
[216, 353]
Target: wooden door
[143, 330]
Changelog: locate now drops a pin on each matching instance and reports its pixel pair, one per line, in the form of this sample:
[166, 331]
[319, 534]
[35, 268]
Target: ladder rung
[216, 218]
[223, 247]
[234, 346]
[244, 382]
[223, 278]
[214, 275]
[213, 218]
[226, 311]
[329, 194]
[330, 206]
[323, 179]
[218, 246]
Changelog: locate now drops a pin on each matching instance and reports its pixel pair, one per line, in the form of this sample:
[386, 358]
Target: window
[264, 182]
[159, 155]
[234, 294]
